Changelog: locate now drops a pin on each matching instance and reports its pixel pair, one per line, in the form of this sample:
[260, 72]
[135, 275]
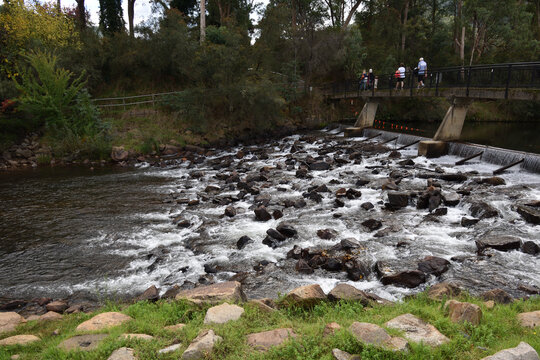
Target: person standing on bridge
[371, 78]
[422, 72]
[400, 76]
[363, 80]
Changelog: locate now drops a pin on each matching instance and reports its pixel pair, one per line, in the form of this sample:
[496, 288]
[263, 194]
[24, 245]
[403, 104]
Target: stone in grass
[57, 306]
[170, 349]
[137, 336]
[263, 341]
[343, 355]
[330, 329]
[215, 293]
[529, 319]
[523, 351]
[104, 321]
[123, 353]
[417, 330]
[19, 340]
[201, 345]
[176, 327]
[223, 313]
[9, 321]
[464, 312]
[307, 295]
[50, 316]
[373, 334]
[82, 342]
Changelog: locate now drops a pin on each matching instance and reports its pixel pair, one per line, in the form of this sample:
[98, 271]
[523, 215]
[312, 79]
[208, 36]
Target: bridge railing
[494, 76]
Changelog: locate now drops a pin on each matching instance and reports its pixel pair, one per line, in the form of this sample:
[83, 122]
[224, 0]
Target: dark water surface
[50, 217]
[506, 135]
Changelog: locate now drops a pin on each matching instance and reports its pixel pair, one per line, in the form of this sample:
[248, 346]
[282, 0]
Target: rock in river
[261, 214]
[433, 265]
[498, 242]
[410, 279]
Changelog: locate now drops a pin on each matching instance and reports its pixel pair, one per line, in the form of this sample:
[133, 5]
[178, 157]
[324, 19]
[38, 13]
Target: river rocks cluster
[230, 295]
[26, 154]
[371, 202]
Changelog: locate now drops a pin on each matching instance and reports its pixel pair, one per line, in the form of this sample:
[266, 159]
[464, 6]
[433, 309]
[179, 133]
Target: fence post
[437, 76]
[508, 81]
[124, 102]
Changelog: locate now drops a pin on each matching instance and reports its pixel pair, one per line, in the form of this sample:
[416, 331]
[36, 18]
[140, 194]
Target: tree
[110, 16]
[131, 14]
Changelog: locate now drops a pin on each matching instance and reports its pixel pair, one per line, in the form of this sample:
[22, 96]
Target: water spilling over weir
[112, 233]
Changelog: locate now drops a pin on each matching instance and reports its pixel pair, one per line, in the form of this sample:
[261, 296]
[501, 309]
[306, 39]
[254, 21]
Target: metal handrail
[498, 76]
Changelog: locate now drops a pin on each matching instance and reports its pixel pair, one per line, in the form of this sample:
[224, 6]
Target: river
[109, 232]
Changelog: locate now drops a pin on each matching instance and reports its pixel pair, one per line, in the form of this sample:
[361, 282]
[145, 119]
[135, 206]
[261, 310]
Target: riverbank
[304, 324]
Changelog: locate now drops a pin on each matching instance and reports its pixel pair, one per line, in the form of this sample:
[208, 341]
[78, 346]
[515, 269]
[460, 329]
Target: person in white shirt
[422, 72]
[400, 76]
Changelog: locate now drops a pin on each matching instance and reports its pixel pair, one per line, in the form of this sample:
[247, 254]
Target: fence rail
[492, 76]
[125, 101]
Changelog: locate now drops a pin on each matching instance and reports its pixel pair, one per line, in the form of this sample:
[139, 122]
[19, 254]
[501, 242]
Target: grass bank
[497, 330]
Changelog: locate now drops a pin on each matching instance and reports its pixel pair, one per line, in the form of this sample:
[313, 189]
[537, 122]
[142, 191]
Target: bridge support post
[450, 129]
[365, 118]
[452, 124]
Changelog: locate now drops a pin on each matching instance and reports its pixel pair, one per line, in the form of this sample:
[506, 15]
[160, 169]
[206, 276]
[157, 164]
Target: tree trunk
[131, 15]
[462, 46]
[203, 21]
[403, 32]
[351, 13]
[81, 14]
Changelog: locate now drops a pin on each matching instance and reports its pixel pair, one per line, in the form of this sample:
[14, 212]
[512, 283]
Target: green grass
[498, 330]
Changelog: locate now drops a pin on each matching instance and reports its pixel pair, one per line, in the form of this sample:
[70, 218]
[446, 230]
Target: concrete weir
[492, 155]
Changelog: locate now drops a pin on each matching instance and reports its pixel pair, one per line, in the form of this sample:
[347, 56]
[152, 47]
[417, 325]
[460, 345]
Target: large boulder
[498, 242]
[9, 321]
[58, 306]
[372, 334]
[417, 330]
[483, 210]
[433, 265]
[498, 295]
[263, 341]
[104, 321]
[201, 345]
[261, 214]
[50, 316]
[529, 319]
[523, 351]
[409, 279]
[464, 312]
[19, 340]
[150, 294]
[444, 289]
[82, 342]
[529, 213]
[397, 200]
[306, 295]
[348, 292]
[215, 293]
[223, 313]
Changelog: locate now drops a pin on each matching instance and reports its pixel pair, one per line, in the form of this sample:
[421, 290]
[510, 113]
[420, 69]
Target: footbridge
[460, 85]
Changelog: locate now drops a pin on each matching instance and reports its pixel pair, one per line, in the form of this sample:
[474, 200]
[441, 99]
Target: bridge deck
[472, 93]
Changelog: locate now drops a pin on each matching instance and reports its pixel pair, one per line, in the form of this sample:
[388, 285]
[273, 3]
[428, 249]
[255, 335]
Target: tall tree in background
[110, 16]
[203, 20]
[131, 15]
[81, 14]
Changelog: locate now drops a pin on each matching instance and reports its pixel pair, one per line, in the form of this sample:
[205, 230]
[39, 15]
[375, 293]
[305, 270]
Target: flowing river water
[109, 232]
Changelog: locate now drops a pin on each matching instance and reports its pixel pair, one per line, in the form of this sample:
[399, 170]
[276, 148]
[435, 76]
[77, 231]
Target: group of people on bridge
[369, 81]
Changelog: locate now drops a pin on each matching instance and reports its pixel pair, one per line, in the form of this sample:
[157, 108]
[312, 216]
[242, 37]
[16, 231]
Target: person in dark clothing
[371, 78]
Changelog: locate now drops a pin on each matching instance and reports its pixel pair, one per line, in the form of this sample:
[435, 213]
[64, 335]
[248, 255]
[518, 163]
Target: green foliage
[498, 330]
